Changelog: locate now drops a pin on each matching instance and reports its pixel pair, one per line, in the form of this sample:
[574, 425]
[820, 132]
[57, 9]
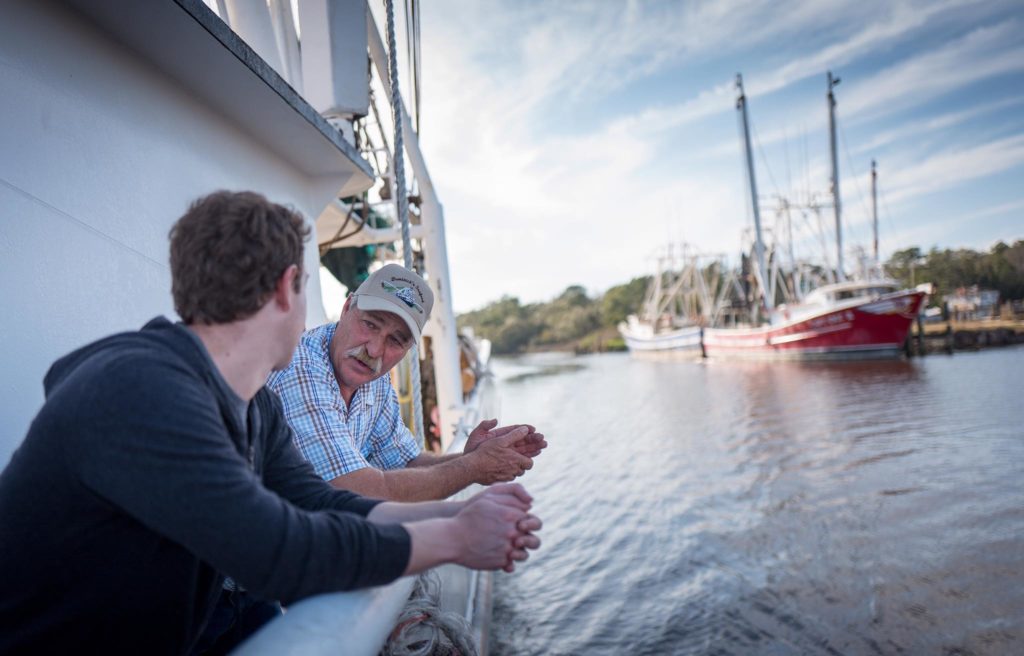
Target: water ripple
[730, 508]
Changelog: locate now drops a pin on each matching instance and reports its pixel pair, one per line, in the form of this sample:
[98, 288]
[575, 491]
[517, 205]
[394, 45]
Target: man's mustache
[359, 353]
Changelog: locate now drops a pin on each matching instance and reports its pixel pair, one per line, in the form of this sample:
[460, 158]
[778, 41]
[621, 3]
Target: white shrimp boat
[116, 114]
[673, 310]
[645, 338]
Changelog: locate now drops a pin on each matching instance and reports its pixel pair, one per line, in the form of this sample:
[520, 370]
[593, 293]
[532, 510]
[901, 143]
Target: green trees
[509, 325]
[623, 300]
[1001, 269]
[569, 318]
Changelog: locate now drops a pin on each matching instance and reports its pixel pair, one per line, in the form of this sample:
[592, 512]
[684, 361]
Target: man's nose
[375, 346]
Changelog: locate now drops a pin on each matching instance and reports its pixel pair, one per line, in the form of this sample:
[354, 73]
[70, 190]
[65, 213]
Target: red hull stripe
[880, 324]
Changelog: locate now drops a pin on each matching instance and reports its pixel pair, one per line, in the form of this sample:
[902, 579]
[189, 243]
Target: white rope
[424, 629]
[402, 207]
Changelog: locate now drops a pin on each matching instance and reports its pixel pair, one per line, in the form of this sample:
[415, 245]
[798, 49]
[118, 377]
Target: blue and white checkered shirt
[334, 438]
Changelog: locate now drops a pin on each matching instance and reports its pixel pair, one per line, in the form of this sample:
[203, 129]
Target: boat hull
[682, 342]
[875, 329]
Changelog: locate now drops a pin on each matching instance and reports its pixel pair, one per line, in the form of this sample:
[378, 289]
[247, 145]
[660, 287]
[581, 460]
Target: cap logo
[404, 294]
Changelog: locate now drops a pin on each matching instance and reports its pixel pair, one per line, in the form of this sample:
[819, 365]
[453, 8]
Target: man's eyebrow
[386, 318]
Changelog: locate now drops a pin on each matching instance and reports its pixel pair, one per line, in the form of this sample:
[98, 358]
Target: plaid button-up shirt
[334, 438]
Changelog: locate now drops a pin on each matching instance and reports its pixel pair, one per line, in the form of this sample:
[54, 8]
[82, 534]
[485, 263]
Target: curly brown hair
[227, 253]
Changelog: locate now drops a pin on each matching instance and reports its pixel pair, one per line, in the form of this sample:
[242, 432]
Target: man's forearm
[428, 459]
[432, 544]
[438, 481]
[392, 512]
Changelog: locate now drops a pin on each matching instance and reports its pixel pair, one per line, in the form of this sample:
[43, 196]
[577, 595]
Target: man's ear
[284, 290]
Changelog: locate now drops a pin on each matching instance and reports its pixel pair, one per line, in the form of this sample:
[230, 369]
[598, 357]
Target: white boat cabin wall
[114, 117]
[117, 114]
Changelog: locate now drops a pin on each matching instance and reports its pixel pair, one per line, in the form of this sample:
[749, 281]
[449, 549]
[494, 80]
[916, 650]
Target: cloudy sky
[568, 140]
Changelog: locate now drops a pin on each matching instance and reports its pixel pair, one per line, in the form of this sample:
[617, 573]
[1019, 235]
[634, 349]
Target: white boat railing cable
[441, 327]
[402, 207]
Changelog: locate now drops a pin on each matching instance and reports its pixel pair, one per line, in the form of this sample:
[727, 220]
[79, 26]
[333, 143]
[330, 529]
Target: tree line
[571, 320]
[575, 320]
[1001, 269]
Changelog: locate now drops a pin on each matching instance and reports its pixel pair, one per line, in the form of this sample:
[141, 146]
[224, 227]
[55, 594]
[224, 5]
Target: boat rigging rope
[424, 629]
[402, 207]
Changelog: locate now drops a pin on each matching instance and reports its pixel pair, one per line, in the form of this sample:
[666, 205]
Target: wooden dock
[950, 336]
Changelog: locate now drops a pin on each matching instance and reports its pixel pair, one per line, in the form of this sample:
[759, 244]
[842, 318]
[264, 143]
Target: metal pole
[832, 82]
[741, 104]
[874, 207]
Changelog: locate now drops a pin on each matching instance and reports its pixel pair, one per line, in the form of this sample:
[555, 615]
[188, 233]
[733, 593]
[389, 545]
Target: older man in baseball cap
[339, 401]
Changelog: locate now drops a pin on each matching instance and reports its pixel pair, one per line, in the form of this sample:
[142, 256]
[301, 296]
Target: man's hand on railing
[525, 539]
[492, 530]
[496, 528]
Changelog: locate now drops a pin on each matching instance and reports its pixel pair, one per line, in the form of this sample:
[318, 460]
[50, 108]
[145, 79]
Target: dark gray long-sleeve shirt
[138, 486]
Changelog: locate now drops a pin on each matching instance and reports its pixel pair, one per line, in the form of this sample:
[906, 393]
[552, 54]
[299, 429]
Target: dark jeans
[236, 617]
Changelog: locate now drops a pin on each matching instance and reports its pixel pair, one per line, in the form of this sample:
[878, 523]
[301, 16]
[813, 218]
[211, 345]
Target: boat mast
[832, 82]
[654, 298]
[741, 105]
[874, 207]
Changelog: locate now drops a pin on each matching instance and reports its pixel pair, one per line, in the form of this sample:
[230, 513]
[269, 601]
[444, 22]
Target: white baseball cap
[397, 290]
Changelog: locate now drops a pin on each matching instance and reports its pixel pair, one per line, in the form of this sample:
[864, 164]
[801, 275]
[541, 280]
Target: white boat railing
[358, 623]
[337, 624]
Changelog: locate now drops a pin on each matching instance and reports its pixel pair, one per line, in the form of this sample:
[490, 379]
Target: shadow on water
[552, 370]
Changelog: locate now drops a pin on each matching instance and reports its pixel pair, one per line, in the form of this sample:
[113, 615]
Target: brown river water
[770, 508]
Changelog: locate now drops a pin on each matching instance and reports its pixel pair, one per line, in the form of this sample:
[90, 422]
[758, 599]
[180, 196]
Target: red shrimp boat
[842, 321]
[849, 319]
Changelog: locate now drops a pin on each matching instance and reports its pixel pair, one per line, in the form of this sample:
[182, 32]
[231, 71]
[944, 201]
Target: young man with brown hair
[160, 463]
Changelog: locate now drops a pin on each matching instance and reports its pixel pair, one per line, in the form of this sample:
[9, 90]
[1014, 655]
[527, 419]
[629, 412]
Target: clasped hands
[502, 454]
[497, 527]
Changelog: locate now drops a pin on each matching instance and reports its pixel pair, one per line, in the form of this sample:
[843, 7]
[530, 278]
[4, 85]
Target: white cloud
[931, 233]
[954, 167]
[531, 210]
[935, 124]
[983, 53]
